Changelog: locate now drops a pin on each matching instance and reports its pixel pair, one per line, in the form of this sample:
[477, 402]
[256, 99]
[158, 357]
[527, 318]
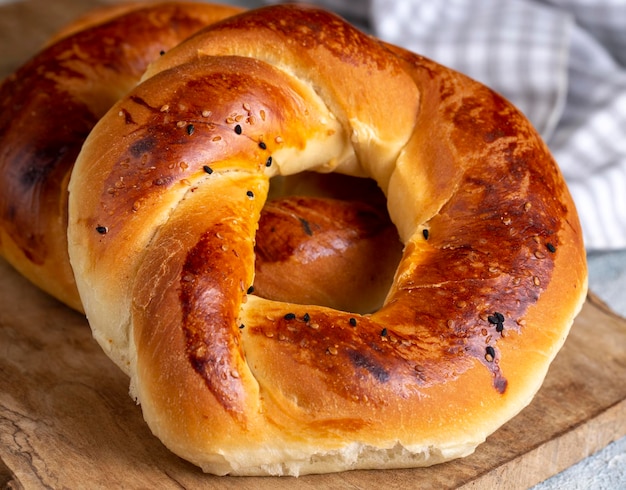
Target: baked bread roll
[165, 201]
[49, 105]
[38, 153]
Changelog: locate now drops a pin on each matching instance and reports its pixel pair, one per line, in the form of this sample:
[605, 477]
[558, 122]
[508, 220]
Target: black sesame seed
[250, 194]
[208, 169]
[250, 290]
[426, 233]
[383, 332]
[102, 230]
[490, 353]
[238, 129]
[290, 316]
[268, 163]
[190, 129]
[496, 318]
[306, 226]
[306, 317]
[551, 248]
[352, 321]
[262, 145]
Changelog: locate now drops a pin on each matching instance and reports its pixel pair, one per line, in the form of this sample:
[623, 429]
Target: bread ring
[165, 201]
[49, 105]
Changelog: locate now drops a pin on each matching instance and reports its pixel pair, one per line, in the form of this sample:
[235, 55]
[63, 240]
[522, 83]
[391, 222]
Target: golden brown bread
[315, 251]
[35, 238]
[49, 105]
[319, 235]
[165, 201]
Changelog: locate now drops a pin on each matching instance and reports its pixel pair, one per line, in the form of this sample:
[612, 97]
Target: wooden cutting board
[66, 420]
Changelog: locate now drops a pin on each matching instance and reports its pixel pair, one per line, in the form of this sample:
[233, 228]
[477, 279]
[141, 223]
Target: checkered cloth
[562, 62]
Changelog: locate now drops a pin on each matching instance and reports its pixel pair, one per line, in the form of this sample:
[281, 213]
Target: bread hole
[326, 239]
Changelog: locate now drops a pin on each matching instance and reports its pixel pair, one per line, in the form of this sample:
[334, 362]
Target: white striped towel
[562, 62]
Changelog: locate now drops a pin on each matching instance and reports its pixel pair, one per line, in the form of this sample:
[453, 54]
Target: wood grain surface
[66, 420]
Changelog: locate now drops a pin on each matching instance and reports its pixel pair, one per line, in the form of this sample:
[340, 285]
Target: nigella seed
[238, 129]
[551, 248]
[250, 290]
[496, 318]
[499, 328]
[426, 233]
[190, 129]
[262, 145]
[290, 316]
[242, 326]
[103, 230]
[250, 194]
[207, 169]
[383, 332]
[490, 354]
[161, 52]
[306, 317]
[268, 162]
[352, 322]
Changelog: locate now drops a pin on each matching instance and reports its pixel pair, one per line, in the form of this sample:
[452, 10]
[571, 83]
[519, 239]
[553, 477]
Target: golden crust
[492, 274]
[321, 251]
[49, 105]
